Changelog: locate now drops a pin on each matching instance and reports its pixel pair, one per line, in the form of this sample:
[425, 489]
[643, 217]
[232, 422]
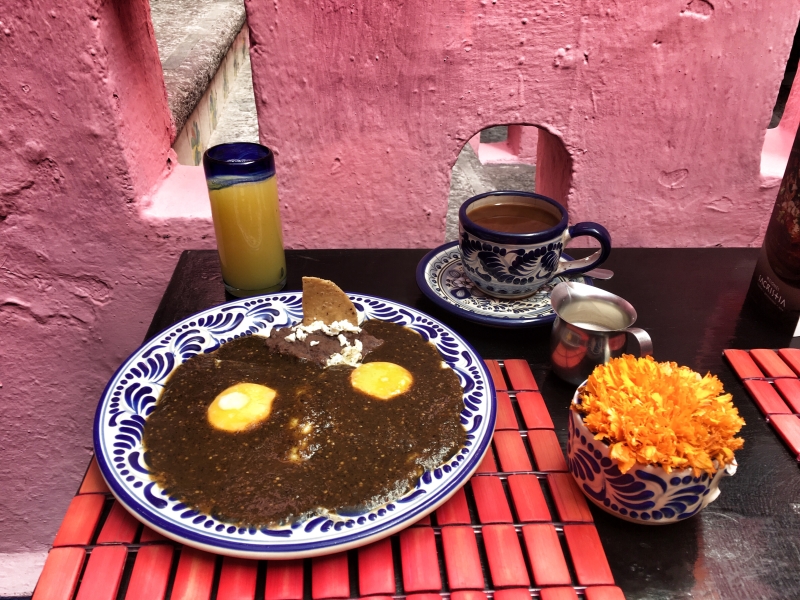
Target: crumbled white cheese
[313, 342]
[350, 355]
[344, 326]
[333, 329]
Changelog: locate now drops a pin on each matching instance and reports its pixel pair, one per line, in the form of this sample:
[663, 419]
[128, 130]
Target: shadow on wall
[515, 156]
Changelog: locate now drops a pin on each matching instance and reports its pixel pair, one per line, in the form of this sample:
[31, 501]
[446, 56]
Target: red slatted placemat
[520, 528]
[771, 379]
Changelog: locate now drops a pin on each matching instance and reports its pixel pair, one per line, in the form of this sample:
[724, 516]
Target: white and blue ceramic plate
[441, 277]
[134, 389]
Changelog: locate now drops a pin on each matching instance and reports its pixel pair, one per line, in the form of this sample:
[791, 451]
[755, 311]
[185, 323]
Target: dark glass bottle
[776, 281]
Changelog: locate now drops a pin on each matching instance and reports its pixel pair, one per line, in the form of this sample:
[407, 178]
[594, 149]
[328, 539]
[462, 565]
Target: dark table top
[693, 304]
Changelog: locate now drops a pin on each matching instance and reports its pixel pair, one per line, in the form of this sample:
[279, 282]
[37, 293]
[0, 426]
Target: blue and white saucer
[441, 277]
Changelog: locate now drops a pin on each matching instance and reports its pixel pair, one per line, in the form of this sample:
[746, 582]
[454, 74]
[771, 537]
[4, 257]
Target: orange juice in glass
[247, 223]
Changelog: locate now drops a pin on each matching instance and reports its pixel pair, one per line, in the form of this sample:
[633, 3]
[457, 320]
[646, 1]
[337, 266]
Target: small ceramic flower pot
[645, 494]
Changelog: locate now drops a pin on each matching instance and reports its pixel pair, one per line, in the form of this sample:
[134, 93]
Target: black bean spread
[324, 447]
[318, 346]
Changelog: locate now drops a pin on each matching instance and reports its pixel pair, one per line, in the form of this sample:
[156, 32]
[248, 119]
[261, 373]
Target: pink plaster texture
[661, 106]
[519, 147]
[84, 134]
[652, 118]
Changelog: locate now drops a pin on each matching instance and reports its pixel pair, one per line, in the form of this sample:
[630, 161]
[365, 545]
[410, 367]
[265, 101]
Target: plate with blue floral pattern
[131, 395]
[441, 277]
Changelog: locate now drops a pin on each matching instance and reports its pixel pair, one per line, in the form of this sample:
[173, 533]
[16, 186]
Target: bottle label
[780, 293]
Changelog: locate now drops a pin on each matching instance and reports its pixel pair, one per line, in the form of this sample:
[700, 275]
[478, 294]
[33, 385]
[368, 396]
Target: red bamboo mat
[520, 528]
[771, 378]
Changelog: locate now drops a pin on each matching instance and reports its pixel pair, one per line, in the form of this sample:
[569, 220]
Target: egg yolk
[382, 380]
[241, 406]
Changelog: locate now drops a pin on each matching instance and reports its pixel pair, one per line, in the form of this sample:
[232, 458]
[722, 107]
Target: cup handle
[582, 265]
[645, 343]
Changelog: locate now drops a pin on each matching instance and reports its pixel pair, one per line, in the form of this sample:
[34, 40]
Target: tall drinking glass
[247, 223]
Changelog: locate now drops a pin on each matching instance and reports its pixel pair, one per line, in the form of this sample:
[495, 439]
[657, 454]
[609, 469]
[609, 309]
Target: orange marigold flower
[659, 413]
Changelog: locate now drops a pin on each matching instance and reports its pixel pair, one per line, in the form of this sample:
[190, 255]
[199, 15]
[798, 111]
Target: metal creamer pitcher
[591, 327]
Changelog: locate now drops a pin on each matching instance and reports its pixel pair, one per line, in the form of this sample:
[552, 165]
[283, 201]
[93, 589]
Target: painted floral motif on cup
[509, 270]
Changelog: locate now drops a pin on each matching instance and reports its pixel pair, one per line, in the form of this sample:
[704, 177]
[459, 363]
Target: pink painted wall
[84, 133]
[523, 140]
[520, 146]
[662, 107]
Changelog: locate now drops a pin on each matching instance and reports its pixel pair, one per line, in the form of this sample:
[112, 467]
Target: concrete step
[238, 121]
[193, 38]
[205, 52]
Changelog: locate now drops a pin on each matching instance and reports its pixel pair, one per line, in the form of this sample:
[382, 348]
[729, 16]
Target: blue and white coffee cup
[516, 265]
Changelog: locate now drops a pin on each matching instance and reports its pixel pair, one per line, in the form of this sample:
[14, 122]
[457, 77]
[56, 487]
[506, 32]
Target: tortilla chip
[324, 301]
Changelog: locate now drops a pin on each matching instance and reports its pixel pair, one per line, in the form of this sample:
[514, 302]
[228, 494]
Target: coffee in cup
[511, 242]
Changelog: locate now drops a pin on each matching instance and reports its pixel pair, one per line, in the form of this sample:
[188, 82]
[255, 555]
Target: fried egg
[381, 380]
[241, 406]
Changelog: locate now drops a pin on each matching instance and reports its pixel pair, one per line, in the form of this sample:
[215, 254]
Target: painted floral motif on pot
[646, 494]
